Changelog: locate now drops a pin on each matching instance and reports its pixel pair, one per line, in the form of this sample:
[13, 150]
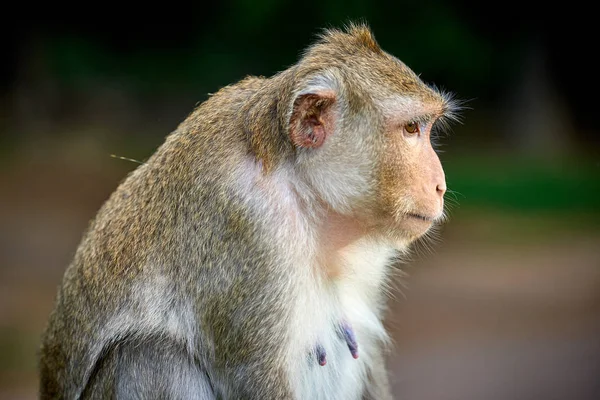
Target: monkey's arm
[250, 359]
[148, 368]
[378, 386]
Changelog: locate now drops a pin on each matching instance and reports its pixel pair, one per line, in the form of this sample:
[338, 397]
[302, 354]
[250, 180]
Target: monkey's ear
[313, 118]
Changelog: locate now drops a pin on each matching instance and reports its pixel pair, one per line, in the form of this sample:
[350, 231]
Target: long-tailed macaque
[247, 258]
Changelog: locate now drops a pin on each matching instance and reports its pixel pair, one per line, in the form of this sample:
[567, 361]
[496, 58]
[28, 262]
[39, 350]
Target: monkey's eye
[412, 128]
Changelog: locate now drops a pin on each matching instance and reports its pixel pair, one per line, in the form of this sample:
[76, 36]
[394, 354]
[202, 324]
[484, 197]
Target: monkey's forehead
[402, 108]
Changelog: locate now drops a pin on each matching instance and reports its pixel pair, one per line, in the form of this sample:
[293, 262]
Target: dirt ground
[505, 306]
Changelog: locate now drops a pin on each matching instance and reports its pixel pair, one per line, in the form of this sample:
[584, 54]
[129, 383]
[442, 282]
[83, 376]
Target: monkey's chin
[410, 228]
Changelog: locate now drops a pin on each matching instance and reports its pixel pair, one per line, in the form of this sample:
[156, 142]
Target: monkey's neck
[336, 237]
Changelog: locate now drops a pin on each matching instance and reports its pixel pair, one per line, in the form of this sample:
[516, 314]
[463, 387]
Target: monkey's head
[361, 122]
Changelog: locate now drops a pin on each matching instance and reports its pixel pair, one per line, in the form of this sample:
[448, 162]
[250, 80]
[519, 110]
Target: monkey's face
[410, 179]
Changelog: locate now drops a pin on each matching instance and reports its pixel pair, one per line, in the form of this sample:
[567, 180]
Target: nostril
[441, 189]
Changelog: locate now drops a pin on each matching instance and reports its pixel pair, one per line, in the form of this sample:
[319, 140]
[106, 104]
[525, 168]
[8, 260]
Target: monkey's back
[176, 225]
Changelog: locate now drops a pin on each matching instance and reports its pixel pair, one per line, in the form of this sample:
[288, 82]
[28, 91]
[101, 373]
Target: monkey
[248, 257]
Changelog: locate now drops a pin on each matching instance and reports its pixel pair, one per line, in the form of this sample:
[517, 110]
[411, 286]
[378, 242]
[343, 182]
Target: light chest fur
[328, 307]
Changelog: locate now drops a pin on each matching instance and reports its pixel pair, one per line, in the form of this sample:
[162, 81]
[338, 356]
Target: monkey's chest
[341, 331]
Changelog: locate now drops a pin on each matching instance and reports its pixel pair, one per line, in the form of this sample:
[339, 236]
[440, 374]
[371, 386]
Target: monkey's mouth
[420, 217]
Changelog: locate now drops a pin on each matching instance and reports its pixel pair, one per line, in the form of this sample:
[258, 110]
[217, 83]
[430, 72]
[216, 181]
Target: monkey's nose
[441, 189]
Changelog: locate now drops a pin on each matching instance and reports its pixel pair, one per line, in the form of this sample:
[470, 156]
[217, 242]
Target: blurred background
[504, 305]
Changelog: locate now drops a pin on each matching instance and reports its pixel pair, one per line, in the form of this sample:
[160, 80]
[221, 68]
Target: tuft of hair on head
[358, 35]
